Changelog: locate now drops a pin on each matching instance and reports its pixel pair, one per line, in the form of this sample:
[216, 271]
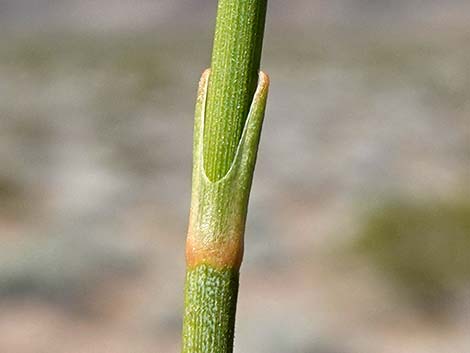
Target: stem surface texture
[235, 64]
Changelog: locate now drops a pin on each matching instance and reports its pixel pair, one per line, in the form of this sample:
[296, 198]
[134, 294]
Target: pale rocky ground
[96, 103]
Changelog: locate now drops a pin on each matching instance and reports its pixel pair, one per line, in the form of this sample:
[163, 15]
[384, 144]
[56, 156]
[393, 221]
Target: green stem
[228, 120]
[234, 73]
[210, 304]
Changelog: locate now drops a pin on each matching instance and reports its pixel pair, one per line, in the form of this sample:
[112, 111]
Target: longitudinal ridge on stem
[235, 64]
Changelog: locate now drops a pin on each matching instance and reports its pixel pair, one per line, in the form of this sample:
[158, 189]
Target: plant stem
[228, 120]
[234, 73]
[210, 304]
[214, 246]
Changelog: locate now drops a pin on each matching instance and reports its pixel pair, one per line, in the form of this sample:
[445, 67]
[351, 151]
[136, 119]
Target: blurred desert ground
[358, 232]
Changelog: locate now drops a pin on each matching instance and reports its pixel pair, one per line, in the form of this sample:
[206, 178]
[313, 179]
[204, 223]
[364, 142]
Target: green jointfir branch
[235, 64]
[228, 119]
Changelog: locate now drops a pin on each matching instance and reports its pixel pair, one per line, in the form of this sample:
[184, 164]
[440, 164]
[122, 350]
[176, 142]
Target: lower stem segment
[210, 305]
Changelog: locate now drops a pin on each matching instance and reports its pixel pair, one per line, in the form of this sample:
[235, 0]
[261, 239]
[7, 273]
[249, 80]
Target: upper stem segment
[232, 84]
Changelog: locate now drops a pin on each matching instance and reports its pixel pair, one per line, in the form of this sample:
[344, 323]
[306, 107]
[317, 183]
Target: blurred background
[358, 236]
